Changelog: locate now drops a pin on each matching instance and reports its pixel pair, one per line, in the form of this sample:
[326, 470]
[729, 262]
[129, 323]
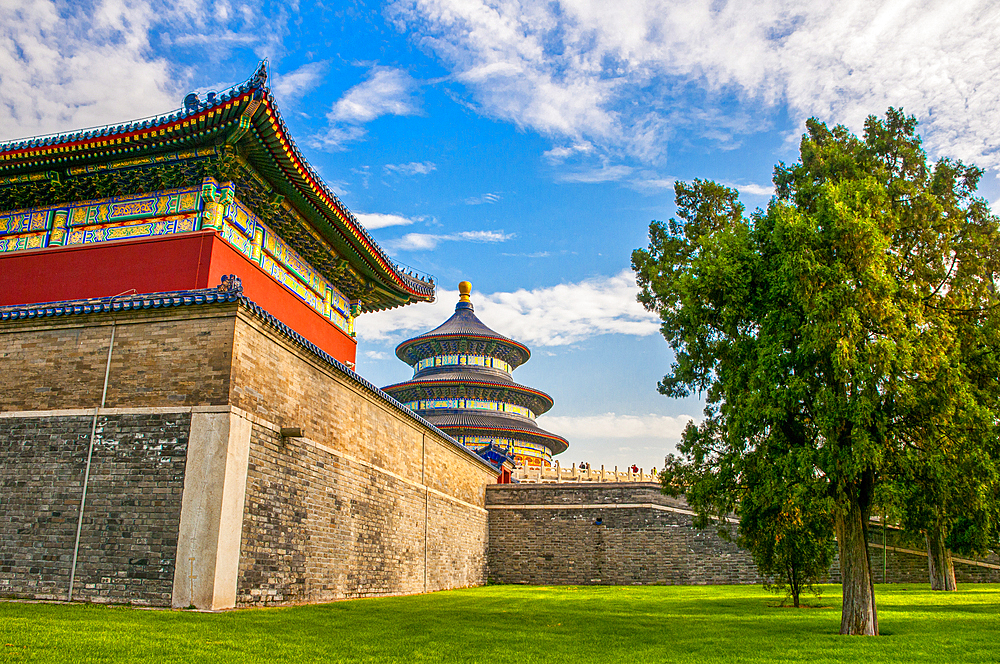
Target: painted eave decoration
[239, 131]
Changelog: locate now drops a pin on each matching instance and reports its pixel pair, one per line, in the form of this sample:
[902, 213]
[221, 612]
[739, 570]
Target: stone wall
[129, 534]
[608, 534]
[625, 534]
[160, 358]
[904, 560]
[366, 503]
[194, 496]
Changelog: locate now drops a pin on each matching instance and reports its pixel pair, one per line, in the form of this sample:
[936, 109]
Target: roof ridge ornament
[231, 285]
[464, 301]
[260, 78]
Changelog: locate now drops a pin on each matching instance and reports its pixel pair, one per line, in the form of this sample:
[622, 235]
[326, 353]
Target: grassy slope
[520, 624]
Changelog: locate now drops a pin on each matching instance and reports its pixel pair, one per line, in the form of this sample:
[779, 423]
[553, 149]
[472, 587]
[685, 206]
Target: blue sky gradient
[525, 146]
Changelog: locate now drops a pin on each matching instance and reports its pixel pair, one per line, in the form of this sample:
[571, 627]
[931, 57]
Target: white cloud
[287, 86]
[73, 65]
[534, 254]
[651, 183]
[373, 220]
[628, 75]
[376, 355]
[551, 316]
[603, 174]
[412, 168]
[485, 198]
[428, 241]
[755, 189]
[69, 67]
[611, 439]
[559, 154]
[611, 426]
[386, 91]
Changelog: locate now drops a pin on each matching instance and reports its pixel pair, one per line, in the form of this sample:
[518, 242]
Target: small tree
[788, 529]
[785, 522]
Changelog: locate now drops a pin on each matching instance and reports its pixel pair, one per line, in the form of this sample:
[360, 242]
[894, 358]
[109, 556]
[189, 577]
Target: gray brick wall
[582, 534]
[129, 537]
[588, 534]
[320, 526]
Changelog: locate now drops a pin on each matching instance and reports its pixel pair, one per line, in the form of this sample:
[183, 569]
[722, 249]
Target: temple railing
[557, 474]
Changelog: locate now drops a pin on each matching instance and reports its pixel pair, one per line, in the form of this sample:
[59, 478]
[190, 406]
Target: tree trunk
[858, 615]
[939, 563]
[794, 585]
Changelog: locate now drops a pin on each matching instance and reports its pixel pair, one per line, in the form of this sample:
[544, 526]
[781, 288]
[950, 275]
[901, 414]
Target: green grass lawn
[520, 624]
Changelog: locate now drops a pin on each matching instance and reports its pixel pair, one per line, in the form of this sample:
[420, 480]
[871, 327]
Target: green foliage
[789, 534]
[845, 338]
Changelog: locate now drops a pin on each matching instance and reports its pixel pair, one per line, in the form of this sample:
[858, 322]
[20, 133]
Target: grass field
[500, 624]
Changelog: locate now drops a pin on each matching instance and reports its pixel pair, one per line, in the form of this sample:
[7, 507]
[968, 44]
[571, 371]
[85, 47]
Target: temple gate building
[175, 202]
[180, 424]
[461, 383]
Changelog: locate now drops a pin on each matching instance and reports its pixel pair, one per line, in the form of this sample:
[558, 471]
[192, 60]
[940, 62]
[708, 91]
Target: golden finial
[464, 290]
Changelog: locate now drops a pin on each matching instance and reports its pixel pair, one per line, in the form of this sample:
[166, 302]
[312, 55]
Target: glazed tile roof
[463, 325]
[496, 423]
[242, 123]
[438, 391]
[452, 384]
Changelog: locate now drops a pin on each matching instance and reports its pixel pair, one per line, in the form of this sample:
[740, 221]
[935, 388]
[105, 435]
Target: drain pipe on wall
[90, 450]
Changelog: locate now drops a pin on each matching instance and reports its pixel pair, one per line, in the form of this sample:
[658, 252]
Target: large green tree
[841, 335]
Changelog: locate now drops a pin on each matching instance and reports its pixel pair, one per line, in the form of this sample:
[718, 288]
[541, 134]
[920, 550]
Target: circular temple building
[461, 384]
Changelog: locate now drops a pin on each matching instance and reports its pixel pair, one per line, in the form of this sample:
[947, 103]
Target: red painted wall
[269, 293]
[149, 265]
[155, 265]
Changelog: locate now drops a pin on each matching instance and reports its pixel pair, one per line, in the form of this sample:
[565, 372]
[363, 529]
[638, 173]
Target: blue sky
[525, 146]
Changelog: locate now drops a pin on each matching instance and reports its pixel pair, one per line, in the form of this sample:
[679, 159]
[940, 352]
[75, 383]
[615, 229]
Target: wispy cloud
[485, 198]
[628, 77]
[551, 316]
[755, 189]
[66, 66]
[614, 439]
[651, 183]
[561, 153]
[386, 91]
[535, 254]
[376, 355]
[70, 65]
[605, 173]
[373, 220]
[412, 168]
[296, 82]
[428, 241]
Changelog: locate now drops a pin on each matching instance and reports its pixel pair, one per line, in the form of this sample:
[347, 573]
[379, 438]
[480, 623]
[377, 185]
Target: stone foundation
[129, 533]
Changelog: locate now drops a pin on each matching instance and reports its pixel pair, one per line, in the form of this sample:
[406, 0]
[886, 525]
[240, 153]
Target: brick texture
[548, 539]
[607, 543]
[284, 385]
[371, 502]
[161, 358]
[129, 537]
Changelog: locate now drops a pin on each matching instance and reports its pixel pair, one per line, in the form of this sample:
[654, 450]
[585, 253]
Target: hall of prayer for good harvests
[462, 385]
